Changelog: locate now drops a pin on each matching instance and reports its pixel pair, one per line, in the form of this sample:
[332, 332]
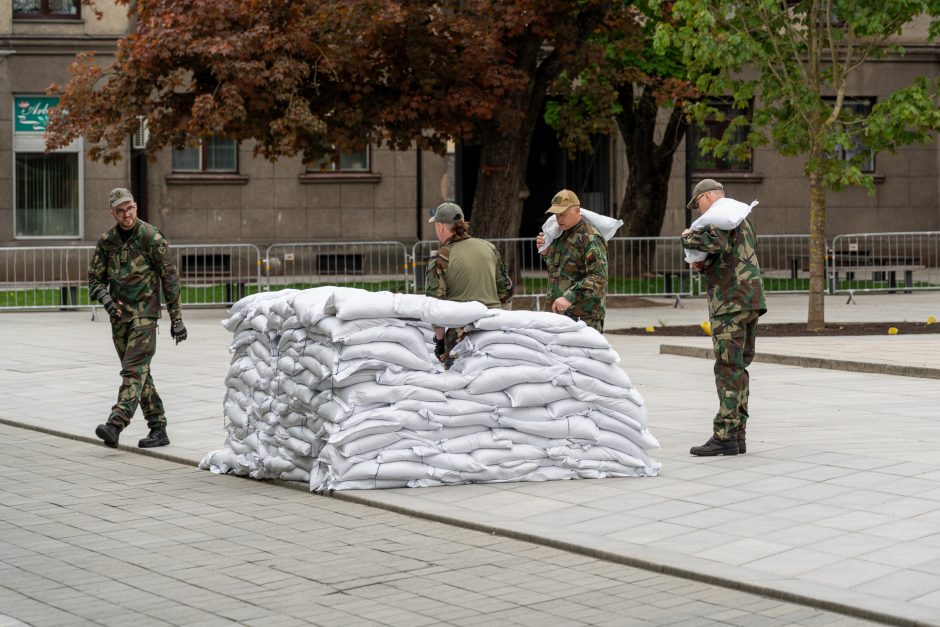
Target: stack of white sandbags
[340, 387]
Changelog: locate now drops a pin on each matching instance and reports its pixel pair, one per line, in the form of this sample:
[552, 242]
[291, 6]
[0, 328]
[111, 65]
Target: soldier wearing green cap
[464, 269]
[131, 264]
[577, 264]
[735, 303]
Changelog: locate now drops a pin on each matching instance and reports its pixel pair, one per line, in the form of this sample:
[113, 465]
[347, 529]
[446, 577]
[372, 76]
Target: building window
[854, 110]
[212, 155]
[47, 9]
[345, 162]
[47, 195]
[47, 186]
[723, 118]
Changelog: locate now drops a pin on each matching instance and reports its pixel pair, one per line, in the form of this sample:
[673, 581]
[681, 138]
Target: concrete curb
[811, 362]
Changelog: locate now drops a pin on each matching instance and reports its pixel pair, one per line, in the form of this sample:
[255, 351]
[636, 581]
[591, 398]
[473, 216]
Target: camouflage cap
[563, 200]
[447, 213]
[705, 185]
[119, 195]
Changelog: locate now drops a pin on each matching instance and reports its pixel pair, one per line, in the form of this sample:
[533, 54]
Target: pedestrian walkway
[124, 539]
[836, 504]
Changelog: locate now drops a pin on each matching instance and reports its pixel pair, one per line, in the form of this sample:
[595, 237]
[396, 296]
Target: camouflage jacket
[134, 271]
[468, 268]
[577, 270]
[731, 269]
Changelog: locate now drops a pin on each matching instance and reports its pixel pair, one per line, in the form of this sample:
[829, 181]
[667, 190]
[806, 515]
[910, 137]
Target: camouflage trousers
[733, 337]
[594, 319]
[136, 342]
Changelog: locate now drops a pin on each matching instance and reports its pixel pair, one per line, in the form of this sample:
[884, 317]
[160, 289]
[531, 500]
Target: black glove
[439, 351]
[109, 305]
[178, 330]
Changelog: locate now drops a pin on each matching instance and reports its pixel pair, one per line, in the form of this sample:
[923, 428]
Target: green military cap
[119, 195]
[447, 213]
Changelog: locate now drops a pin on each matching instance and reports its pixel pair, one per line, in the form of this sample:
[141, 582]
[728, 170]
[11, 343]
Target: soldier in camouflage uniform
[464, 269]
[577, 264]
[735, 303]
[131, 264]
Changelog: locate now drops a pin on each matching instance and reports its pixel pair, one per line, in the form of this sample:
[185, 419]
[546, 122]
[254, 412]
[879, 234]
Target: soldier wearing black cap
[465, 269]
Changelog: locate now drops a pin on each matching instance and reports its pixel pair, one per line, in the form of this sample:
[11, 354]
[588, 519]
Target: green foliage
[625, 60]
[794, 59]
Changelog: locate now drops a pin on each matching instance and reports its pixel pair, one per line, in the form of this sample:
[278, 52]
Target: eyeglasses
[125, 211]
[698, 198]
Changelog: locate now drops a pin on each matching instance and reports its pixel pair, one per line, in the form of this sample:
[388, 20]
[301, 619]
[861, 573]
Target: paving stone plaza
[832, 517]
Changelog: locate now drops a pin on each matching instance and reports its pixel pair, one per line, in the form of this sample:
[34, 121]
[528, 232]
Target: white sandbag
[572, 428]
[472, 442]
[520, 354]
[485, 419]
[623, 444]
[336, 329]
[368, 368]
[407, 336]
[371, 392]
[521, 319]
[501, 378]
[363, 429]
[641, 437]
[587, 337]
[496, 399]
[605, 225]
[308, 305]
[515, 453]
[446, 313]
[448, 407]
[606, 355]
[609, 373]
[391, 352]
[297, 446]
[445, 381]
[448, 461]
[401, 471]
[725, 214]
[491, 474]
[523, 394]
[477, 340]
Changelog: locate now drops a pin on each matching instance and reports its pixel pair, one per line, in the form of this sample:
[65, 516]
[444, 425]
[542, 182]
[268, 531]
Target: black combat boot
[714, 446]
[109, 433]
[157, 437]
[742, 443]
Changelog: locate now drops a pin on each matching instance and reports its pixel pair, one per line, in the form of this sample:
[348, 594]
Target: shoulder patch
[161, 248]
[591, 256]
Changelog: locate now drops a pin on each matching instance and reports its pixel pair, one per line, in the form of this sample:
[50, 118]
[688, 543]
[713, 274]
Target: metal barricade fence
[644, 266]
[217, 274]
[44, 277]
[884, 262]
[784, 262]
[648, 266]
[372, 266]
[56, 277]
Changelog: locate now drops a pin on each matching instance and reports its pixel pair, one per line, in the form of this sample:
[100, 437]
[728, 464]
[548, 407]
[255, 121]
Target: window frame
[716, 128]
[202, 153]
[44, 13]
[32, 142]
[334, 165]
[841, 152]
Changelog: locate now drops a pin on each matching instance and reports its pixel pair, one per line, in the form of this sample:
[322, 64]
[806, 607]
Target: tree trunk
[649, 166]
[501, 189]
[816, 316]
